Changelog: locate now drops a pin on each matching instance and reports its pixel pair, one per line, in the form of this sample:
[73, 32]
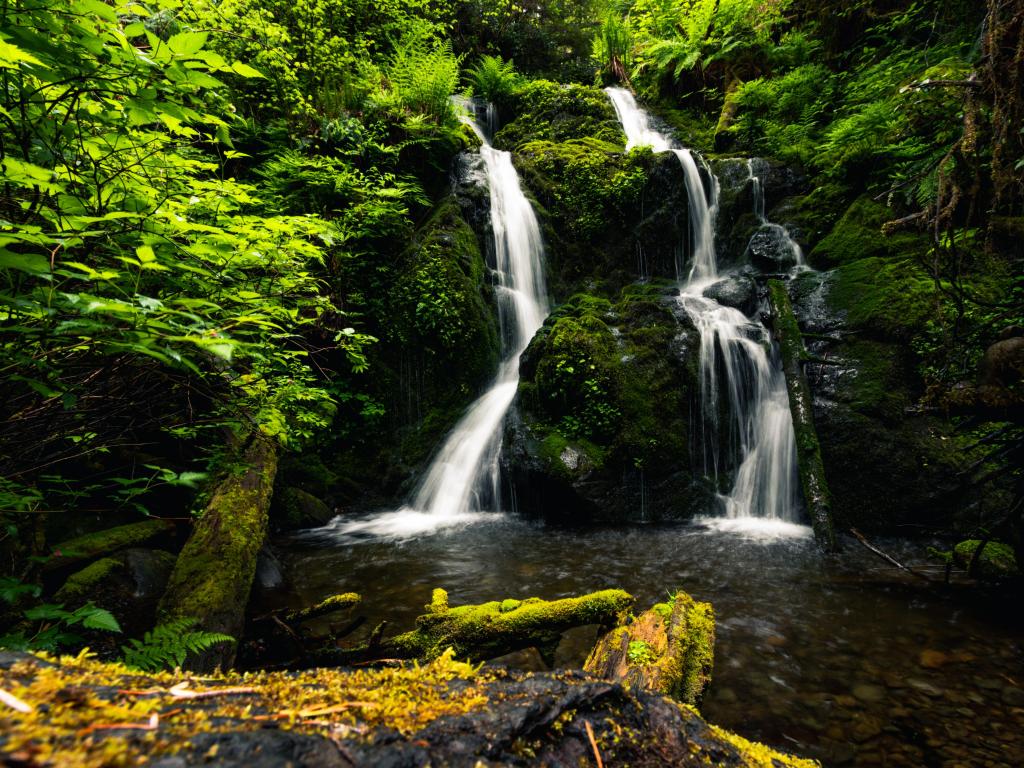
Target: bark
[812, 469]
[668, 649]
[213, 575]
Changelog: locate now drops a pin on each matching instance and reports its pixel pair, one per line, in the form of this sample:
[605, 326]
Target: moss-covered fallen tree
[669, 649]
[801, 405]
[82, 713]
[213, 575]
[489, 630]
[99, 544]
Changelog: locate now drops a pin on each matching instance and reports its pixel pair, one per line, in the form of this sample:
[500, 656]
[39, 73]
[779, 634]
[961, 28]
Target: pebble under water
[844, 659]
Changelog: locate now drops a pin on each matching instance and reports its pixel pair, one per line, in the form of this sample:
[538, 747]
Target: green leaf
[32, 263]
[11, 56]
[187, 43]
[99, 618]
[245, 70]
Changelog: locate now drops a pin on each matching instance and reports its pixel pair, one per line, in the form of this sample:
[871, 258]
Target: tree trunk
[812, 469]
[669, 649]
[214, 572]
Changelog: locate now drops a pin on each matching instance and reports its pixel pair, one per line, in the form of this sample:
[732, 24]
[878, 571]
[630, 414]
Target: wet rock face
[737, 291]
[886, 466]
[770, 249]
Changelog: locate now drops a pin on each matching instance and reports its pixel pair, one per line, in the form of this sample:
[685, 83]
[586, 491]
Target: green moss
[295, 508]
[888, 296]
[549, 111]
[858, 235]
[213, 575]
[690, 662]
[602, 388]
[82, 583]
[641, 653]
[333, 604]
[105, 542]
[487, 630]
[996, 561]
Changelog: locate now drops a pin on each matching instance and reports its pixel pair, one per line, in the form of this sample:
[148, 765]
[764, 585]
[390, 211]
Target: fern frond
[168, 645]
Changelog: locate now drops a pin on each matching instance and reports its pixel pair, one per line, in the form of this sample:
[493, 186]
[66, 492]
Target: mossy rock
[93, 545]
[604, 406]
[543, 110]
[433, 309]
[858, 235]
[463, 715]
[608, 217]
[295, 508]
[996, 561]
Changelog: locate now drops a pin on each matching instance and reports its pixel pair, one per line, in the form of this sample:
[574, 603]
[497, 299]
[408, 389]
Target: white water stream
[462, 482]
[746, 424]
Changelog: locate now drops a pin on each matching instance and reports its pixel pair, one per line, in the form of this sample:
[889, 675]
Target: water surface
[844, 659]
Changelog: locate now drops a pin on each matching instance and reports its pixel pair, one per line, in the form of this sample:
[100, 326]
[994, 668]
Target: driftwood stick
[888, 558]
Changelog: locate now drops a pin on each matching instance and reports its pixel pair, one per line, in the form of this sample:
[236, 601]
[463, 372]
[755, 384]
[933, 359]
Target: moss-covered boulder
[82, 549]
[995, 561]
[608, 217]
[296, 508]
[547, 111]
[432, 307]
[604, 411]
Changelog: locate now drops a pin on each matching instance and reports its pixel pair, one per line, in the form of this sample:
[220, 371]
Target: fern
[493, 78]
[167, 645]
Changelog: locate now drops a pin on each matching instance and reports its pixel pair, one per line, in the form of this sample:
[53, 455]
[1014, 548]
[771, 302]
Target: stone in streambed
[868, 693]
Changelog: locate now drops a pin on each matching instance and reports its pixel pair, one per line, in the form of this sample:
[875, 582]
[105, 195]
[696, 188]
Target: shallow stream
[845, 659]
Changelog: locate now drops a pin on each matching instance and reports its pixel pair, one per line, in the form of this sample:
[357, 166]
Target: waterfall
[773, 232]
[740, 374]
[462, 481]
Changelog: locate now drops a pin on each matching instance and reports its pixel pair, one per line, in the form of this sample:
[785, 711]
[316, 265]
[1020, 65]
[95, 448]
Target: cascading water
[777, 234]
[736, 356]
[463, 477]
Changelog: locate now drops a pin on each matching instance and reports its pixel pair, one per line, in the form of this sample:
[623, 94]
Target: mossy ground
[84, 714]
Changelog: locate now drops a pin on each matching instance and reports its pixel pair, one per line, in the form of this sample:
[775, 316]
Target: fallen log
[812, 469]
[93, 546]
[669, 649]
[488, 630]
[214, 571]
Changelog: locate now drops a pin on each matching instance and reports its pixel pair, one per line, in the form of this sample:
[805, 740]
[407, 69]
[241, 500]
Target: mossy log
[344, 601]
[214, 572]
[102, 543]
[812, 468]
[488, 630]
[669, 649]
